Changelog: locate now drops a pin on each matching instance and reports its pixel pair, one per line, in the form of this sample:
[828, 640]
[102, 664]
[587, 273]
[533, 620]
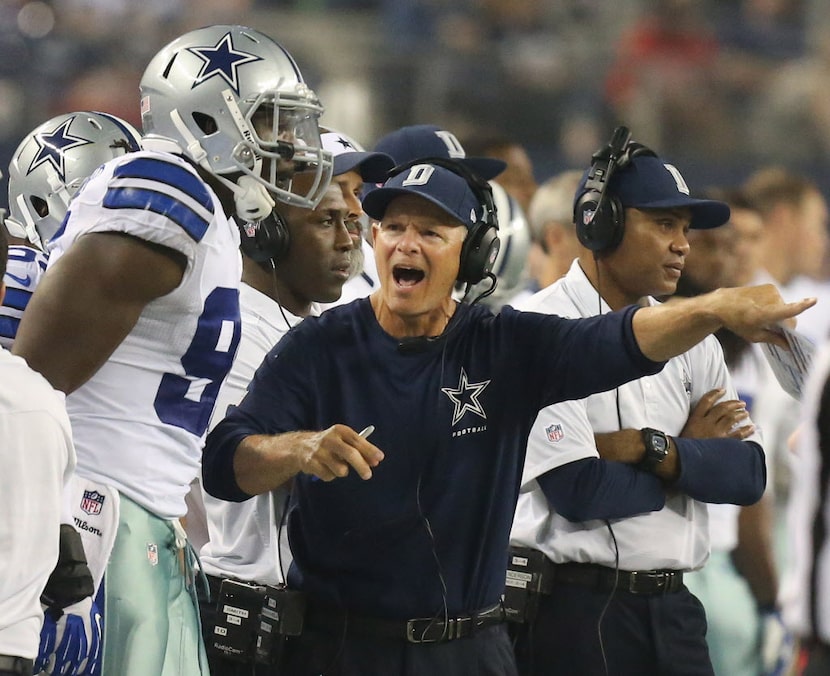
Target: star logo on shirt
[222, 60]
[465, 397]
[345, 143]
[52, 147]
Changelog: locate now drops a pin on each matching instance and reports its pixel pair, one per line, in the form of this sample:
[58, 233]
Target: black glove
[71, 580]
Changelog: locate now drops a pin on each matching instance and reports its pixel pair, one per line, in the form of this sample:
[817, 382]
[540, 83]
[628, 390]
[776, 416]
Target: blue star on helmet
[465, 397]
[345, 143]
[52, 147]
[222, 60]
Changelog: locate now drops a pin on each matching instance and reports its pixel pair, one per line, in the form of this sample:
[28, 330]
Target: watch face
[660, 443]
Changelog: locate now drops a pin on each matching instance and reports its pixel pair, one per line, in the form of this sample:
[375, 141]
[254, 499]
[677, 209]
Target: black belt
[416, 630]
[16, 665]
[605, 579]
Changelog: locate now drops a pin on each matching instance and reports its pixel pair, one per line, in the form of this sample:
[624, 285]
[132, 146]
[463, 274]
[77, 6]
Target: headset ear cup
[598, 222]
[273, 237]
[599, 217]
[478, 253]
[270, 240]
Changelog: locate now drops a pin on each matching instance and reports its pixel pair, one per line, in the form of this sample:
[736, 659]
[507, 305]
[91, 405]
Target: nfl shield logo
[554, 432]
[588, 216]
[153, 554]
[92, 502]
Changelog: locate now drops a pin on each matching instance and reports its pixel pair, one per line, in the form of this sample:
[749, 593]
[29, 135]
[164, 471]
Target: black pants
[639, 635]
[487, 653]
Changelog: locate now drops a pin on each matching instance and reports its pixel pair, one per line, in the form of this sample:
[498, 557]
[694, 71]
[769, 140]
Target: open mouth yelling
[407, 277]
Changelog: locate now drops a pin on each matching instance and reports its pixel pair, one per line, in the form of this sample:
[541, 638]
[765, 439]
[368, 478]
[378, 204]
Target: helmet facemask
[280, 138]
[234, 102]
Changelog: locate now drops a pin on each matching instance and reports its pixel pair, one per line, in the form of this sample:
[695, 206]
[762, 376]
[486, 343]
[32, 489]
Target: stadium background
[719, 87]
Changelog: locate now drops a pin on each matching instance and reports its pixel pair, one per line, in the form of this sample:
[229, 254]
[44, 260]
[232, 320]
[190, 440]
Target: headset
[599, 218]
[265, 240]
[481, 246]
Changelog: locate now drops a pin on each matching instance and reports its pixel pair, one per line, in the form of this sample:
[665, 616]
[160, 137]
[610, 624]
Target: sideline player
[137, 317]
[37, 456]
[46, 170]
[281, 285]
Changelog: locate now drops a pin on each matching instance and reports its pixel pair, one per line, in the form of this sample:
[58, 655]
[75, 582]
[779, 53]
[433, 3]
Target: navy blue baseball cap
[439, 185]
[428, 140]
[649, 183]
[348, 155]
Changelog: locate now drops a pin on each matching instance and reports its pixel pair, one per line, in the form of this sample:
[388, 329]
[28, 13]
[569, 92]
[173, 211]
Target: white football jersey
[25, 267]
[140, 421]
[675, 537]
[243, 536]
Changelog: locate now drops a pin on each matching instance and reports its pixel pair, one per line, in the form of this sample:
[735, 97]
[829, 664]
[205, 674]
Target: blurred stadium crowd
[718, 86]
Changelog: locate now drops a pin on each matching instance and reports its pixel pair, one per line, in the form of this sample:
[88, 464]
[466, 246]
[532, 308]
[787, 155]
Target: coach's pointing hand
[268, 461]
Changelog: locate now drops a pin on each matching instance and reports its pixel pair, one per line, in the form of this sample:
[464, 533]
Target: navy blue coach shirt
[452, 419]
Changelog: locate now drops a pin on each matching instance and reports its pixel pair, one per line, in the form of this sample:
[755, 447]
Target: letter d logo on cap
[419, 175]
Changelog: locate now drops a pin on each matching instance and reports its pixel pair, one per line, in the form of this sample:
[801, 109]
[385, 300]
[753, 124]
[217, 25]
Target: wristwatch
[657, 448]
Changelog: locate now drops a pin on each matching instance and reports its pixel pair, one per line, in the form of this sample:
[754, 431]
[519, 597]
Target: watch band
[657, 448]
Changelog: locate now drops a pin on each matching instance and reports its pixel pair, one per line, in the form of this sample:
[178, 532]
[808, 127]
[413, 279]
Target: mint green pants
[151, 620]
[731, 614]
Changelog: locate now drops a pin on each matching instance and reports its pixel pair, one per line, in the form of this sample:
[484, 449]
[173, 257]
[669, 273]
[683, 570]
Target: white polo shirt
[675, 537]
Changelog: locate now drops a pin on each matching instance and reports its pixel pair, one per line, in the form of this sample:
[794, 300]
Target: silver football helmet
[52, 162]
[510, 265]
[234, 102]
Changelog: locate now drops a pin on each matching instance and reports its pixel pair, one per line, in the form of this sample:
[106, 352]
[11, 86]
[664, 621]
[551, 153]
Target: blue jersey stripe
[149, 200]
[8, 327]
[16, 299]
[174, 175]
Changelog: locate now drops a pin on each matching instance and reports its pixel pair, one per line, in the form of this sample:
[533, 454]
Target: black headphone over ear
[265, 240]
[481, 246]
[599, 218]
